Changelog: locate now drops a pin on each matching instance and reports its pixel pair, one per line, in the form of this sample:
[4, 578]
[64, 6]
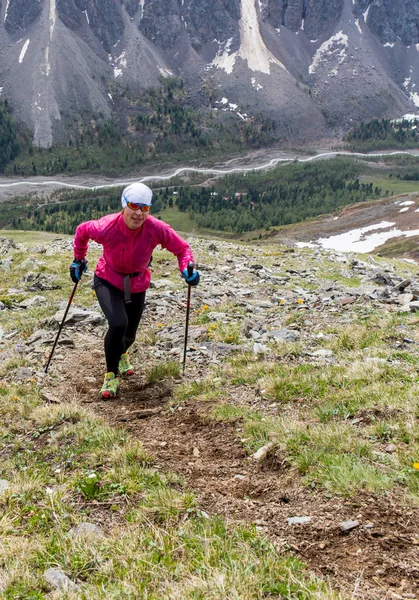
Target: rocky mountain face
[313, 66]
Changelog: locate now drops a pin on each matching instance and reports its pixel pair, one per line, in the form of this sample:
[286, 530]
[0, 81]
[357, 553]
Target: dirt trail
[377, 560]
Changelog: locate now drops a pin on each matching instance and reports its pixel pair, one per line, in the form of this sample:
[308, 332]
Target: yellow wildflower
[416, 466]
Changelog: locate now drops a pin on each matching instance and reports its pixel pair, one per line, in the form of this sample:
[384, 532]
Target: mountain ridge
[313, 67]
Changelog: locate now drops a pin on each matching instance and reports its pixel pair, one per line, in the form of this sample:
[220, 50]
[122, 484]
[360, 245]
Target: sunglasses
[142, 207]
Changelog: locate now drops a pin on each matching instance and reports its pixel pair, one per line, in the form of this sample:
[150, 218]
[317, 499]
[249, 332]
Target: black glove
[77, 268]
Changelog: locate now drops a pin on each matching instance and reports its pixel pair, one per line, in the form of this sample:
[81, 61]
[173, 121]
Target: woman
[122, 275]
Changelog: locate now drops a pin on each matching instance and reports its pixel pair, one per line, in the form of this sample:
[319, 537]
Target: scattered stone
[346, 526]
[322, 353]
[402, 285]
[6, 245]
[77, 315]
[262, 453]
[31, 302]
[413, 306]
[299, 520]
[47, 397]
[88, 530]
[22, 374]
[59, 580]
[260, 348]
[196, 453]
[286, 335]
[4, 485]
[346, 300]
[390, 448]
[6, 264]
[213, 248]
[382, 279]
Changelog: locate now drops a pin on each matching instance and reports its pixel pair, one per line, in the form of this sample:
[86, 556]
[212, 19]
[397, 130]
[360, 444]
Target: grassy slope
[53, 454]
[67, 465]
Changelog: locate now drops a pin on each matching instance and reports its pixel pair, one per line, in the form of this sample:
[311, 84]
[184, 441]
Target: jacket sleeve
[170, 240]
[90, 230]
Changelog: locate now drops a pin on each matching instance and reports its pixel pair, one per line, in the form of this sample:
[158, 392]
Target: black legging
[123, 320]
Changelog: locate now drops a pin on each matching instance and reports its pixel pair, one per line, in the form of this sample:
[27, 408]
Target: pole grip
[191, 265]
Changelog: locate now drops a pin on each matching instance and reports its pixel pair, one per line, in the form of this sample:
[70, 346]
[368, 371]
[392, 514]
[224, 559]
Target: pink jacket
[126, 251]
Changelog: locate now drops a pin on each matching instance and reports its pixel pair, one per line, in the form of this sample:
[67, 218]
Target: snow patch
[256, 85]
[165, 72]
[356, 240]
[118, 64]
[365, 14]
[402, 210]
[388, 45]
[358, 26]
[406, 203]
[87, 17]
[5, 12]
[1, 89]
[415, 98]
[110, 96]
[23, 51]
[336, 46]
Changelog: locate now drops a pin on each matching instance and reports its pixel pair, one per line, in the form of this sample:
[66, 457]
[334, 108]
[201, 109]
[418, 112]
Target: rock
[404, 299]
[29, 264]
[38, 335]
[47, 397]
[413, 306]
[260, 348]
[382, 279]
[59, 580]
[390, 448]
[285, 334]
[262, 453]
[298, 520]
[346, 300]
[6, 245]
[346, 526]
[213, 248]
[4, 485]
[6, 264]
[322, 353]
[34, 301]
[166, 283]
[77, 315]
[402, 285]
[22, 374]
[40, 282]
[88, 530]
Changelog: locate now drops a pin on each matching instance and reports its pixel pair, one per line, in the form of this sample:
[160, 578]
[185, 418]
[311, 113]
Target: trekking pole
[62, 323]
[188, 308]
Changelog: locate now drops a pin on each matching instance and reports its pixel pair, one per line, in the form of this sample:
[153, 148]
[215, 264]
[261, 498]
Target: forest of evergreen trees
[162, 125]
[380, 134]
[9, 135]
[237, 204]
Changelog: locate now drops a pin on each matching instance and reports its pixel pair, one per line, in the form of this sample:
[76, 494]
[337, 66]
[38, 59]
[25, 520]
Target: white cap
[137, 193]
